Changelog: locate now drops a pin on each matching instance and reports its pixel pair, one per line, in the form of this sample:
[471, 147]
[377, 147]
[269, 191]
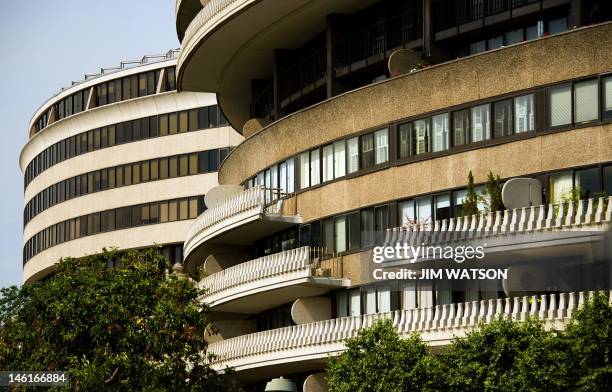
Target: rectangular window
[480, 123]
[405, 212]
[172, 123]
[163, 168]
[163, 124]
[423, 209]
[193, 163]
[212, 116]
[173, 167]
[442, 209]
[420, 137]
[304, 170]
[327, 227]
[560, 105]
[213, 160]
[381, 222]
[353, 154]
[403, 140]
[502, 114]
[136, 173]
[154, 169]
[183, 165]
[367, 227]
[183, 121]
[193, 207]
[184, 209]
[339, 159]
[172, 210]
[315, 167]
[461, 127]
[193, 120]
[381, 139]
[290, 175]
[145, 171]
[440, 132]
[607, 97]
[203, 118]
[524, 116]
[340, 234]
[126, 88]
[163, 212]
[367, 150]
[328, 162]
[587, 181]
[142, 84]
[561, 185]
[127, 175]
[586, 101]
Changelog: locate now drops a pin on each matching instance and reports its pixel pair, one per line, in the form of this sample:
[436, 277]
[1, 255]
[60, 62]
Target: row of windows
[364, 228]
[133, 86]
[567, 104]
[540, 29]
[123, 175]
[113, 219]
[124, 132]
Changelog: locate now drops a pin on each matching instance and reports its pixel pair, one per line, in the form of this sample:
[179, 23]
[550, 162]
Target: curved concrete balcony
[240, 220]
[308, 344]
[548, 230]
[270, 281]
[231, 42]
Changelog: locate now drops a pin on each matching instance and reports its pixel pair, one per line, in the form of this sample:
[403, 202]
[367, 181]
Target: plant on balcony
[470, 202]
[492, 198]
[114, 321]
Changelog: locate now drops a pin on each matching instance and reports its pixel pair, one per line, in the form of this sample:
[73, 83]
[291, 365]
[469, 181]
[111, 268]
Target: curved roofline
[106, 74]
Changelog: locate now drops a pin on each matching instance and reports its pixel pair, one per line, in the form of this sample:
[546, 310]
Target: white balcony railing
[437, 326]
[591, 214]
[246, 204]
[268, 271]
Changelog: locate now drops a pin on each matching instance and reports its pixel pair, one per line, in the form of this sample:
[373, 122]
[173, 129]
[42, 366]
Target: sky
[44, 45]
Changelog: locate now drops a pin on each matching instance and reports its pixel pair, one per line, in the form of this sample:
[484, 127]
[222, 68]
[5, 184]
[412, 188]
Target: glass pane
[381, 139]
[305, 170]
[440, 132]
[420, 137]
[587, 181]
[586, 101]
[290, 175]
[406, 213]
[461, 127]
[514, 37]
[367, 227]
[183, 165]
[502, 115]
[328, 162]
[184, 209]
[442, 207]
[315, 169]
[560, 105]
[183, 121]
[367, 151]
[607, 97]
[404, 140]
[607, 180]
[423, 209]
[341, 235]
[524, 116]
[172, 123]
[480, 123]
[561, 186]
[339, 159]
[353, 155]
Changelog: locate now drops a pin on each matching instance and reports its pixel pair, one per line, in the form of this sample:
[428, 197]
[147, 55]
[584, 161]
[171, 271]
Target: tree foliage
[470, 202]
[114, 321]
[493, 189]
[502, 356]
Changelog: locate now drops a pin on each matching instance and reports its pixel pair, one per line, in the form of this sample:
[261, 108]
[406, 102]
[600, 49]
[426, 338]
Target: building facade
[119, 159]
[346, 148]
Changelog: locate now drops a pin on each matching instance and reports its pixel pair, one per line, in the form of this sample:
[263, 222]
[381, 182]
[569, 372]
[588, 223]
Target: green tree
[499, 356]
[588, 339]
[377, 359]
[470, 203]
[114, 321]
[493, 189]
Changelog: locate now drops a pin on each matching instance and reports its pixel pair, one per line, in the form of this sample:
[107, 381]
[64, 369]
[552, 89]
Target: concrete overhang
[228, 44]
[237, 234]
[277, 293]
